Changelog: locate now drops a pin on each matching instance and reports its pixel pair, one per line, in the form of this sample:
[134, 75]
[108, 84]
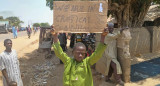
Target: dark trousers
[29, 35]
[64, 49]
[72, 40]
[113, 70]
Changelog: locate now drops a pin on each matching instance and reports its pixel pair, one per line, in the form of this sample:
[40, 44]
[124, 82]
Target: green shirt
[78, 73]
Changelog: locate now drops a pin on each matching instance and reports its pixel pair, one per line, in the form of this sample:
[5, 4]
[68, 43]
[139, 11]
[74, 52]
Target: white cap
[111, 25]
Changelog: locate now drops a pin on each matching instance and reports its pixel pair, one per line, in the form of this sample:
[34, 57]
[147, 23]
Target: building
[4, 26]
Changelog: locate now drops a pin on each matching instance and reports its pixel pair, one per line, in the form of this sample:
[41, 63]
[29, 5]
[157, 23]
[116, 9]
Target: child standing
[77, 71]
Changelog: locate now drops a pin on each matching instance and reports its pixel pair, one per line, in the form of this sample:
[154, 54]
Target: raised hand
[13, 83]
[105, 31]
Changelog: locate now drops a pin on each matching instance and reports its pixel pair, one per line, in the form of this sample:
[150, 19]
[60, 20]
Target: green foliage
[49, 3]
[1, 17]
[44, 25]
[36, 25]
[41, 24]
[14, 21]
[156, 1]
[115, 1]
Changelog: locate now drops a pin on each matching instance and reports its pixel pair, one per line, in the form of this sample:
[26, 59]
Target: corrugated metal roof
[153, 13]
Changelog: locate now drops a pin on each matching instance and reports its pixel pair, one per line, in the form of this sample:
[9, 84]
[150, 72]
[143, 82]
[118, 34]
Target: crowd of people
[77, 71]
[15, 30]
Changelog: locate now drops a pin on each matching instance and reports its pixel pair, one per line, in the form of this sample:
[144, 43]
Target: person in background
[9, 65]
[35, 30]
[63, 42]
[72, 40]
[17, 29]
[29, 31]
[112, 65]
[32, 28]
[14, 31]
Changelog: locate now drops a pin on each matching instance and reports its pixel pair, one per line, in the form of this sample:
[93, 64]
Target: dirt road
[10, 35]
[38, 71]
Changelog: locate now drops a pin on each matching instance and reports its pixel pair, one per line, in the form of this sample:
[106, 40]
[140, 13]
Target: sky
[29, 11]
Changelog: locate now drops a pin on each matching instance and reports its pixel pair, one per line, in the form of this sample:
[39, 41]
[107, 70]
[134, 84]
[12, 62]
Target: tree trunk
[124, 54]
[129, 13]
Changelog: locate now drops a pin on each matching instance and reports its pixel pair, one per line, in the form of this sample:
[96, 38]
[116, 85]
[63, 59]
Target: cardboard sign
[80, 16]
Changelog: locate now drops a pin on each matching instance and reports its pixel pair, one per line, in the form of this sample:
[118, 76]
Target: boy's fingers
[105, 31]
[52, 26]
[53, 31]
[13, 83]
[106, 25]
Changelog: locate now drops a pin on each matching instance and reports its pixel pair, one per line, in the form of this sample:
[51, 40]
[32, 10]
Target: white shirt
[10, 62]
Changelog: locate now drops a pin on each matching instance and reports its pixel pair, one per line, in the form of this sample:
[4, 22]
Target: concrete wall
[145, 40]
[156, 39]
[140, 42]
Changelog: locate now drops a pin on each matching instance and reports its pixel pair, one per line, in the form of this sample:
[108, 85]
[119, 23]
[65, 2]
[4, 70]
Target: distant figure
[14, 31]
[72, 40]
[35, 30]
[5, 25]
[63, 42]
[9, 65]
[29, 31]
[32, 28]
[17, 29]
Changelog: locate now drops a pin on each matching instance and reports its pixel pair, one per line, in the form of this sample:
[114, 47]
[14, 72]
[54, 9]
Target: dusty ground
[38, 71]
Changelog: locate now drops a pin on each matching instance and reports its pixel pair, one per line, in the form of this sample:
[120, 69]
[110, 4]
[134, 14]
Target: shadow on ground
[36, 70]
[145, 70]
[158, 85]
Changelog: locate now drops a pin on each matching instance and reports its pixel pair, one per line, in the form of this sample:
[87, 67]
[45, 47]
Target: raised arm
[115, 35]
[57, 48]
[100, 49]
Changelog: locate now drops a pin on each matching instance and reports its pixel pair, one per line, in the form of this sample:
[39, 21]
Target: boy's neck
[8, 50]
[78, 61]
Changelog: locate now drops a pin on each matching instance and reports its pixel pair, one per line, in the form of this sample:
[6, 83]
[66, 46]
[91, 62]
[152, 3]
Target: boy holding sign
[77, 70]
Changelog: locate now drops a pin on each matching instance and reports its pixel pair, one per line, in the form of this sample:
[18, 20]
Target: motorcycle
[88, 40]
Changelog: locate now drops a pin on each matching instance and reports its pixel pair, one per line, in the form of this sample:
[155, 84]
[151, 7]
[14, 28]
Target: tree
[156, 1]
[1, 17]
[128, 13]
[14, 21]
[36, 25]
[49, 3]
[44, 25]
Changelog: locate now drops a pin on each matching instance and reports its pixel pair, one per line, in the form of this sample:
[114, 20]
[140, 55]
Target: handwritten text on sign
[80, 16]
